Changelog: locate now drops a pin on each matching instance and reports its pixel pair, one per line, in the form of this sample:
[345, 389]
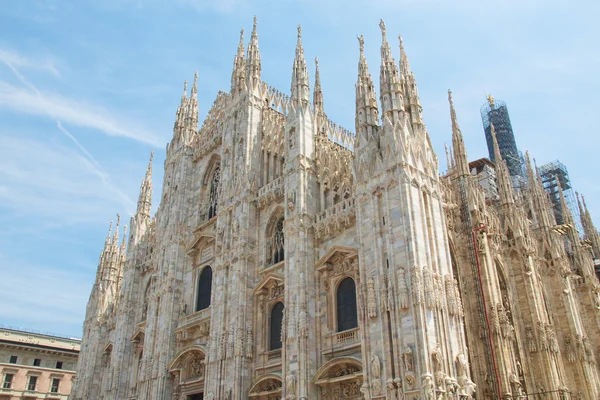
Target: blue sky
[89, 88]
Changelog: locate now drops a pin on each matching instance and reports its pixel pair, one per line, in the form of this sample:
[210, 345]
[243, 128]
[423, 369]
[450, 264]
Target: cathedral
[290, 258]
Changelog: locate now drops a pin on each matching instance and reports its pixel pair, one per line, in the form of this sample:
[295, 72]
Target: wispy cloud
[54, 184]
[15, 60]
[74, 112]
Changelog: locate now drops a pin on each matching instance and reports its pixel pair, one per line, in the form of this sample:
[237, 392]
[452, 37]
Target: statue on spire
[382, 27]
[361, 43]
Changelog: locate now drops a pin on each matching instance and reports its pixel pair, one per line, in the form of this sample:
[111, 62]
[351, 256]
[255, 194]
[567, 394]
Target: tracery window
[346, 305]
[275, 324]
[213, 199]
[276, 248]
[204, 289]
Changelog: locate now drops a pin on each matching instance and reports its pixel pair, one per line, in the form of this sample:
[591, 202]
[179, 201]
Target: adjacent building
[292, 259]
[36, 365]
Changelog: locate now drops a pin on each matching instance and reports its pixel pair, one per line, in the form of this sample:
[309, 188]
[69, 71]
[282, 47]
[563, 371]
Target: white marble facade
[292, 259]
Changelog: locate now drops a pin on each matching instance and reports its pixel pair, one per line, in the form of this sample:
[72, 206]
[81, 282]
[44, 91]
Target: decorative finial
[195, 78]
[490, 100]
[185, 88]
[361, 43]
[382, 27]
[317, 62]
[242, 34]
[299, 31]
[401, 42]
[254, 25]
[151, 156]
[118, 219]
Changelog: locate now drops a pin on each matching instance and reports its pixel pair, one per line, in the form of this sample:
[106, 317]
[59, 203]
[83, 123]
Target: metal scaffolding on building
[495, 112]
[552, 174]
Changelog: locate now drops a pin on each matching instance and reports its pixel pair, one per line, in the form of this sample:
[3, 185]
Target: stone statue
[407, 357]
[375, 366]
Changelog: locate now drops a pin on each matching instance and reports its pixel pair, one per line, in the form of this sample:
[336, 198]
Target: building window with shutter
[347, 317]
[7, 382]
[55, 385]
[32, 383]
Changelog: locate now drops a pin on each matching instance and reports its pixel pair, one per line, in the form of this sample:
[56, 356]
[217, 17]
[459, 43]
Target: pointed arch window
[275, 325]
[204, 289]
[213, 199]
[347, 317]
[276, 253]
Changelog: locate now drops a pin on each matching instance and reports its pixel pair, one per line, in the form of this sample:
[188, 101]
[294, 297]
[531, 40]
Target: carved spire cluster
[300, 87]
[389, 79]
[590, 232]
[238, 76]
[460, 152]
[318, 104]
[253, 65]
[412, 102]
[505, 189]
[367, 112]
[539, 198]
[145, 198]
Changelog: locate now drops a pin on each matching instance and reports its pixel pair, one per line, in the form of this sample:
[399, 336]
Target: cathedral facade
[292, 259]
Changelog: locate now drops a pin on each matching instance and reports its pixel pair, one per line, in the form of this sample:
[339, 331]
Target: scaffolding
[495, 112]
[553, 174]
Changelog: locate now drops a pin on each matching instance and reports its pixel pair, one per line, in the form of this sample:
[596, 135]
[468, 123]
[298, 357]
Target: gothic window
[204, 289]
[213, 199]
[275, 325]
[276, 247]
[346, 305]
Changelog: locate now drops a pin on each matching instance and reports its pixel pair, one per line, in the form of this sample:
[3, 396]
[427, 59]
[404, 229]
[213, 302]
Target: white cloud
[54, 184]
[74, 112]
[15, 61]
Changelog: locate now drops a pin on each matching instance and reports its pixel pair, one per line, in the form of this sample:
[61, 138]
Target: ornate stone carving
[552, 340]
[290, 386]
[416, 285]
[570, 350]
[371, 302]
[450, 295]
[543, 342]
[437, 359]
[530, 338]
[402, 290]
[249, 342]
[303, 322]
[440, 298]
[375, 366]
[428, 288]
[427, 391]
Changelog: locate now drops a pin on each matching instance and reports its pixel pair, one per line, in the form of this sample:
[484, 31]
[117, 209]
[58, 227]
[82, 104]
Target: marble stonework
[457, 294]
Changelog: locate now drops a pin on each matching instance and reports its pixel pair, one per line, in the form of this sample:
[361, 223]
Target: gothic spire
[367, 119]
[145, 197]
[412, 102]
[253, 66]
[542, 208]
[192, 109]
[590, 231]
[460, 152]
[238, 76]
[502, 176]
[300, 87]
[389, 80]
[181, 109]
[318, 104]
[404, 64]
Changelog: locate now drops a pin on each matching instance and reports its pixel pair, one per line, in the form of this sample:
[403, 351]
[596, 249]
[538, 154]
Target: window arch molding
[203, 288]
[211, 180]
[275, 238]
